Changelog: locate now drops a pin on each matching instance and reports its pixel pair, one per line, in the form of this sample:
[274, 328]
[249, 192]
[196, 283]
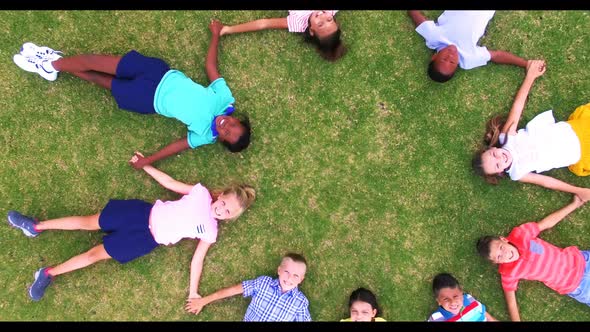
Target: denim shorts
[136, 81]
[582, 293]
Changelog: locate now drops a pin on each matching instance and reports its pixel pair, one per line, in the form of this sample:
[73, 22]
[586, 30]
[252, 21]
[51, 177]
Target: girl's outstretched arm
[555, 184]
[166, 180]
[197, 268]
[139, 161]
[261, 24]
[534, 70]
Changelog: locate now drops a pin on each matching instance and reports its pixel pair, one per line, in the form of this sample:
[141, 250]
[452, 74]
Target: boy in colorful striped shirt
[454, 305]
[522, 255]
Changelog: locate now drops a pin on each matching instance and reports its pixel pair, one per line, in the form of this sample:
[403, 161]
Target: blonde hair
[244, 193]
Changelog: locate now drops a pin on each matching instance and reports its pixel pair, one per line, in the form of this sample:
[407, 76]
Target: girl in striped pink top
[319, 27]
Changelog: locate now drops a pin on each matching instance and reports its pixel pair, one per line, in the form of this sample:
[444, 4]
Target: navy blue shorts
[136, 80]
[127, 224]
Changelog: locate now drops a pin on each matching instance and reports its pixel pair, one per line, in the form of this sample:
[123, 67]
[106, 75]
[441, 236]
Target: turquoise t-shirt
[177, 96]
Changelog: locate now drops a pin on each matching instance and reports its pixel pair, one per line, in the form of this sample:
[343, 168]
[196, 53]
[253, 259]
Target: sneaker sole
[36, 275]
[27, 233]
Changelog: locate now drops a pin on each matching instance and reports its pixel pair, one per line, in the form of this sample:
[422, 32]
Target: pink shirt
[189, 217]
[559, 269]
[298, 20]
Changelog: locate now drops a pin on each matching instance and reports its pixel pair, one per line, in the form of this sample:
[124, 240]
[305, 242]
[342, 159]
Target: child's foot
[42, 52]
[42, 281]
[24, 223]
[36, 65]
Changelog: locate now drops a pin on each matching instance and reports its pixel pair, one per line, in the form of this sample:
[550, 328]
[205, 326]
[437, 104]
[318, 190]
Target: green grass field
[363, 166]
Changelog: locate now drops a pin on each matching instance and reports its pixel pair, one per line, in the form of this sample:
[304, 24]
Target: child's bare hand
[138, 160]
[194, 305]
[584, 195]
[224, 30]
[536, 68]
[215, 26]
[577, 201]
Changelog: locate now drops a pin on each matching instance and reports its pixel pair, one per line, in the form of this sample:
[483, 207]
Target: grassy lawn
[362, 165]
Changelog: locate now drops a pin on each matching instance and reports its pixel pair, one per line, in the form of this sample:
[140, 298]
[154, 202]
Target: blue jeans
[582, 293]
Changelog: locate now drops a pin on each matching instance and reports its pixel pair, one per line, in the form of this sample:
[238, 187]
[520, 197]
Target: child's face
[322, 24]
[362, 312]
[229, 128]
[291, 274]
[226, 207]
[495, 160]
[501, 251]
[451, 299]
[446, 60]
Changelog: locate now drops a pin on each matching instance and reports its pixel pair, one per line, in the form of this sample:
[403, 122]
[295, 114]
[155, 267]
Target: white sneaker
[35, 65]
[42, 52]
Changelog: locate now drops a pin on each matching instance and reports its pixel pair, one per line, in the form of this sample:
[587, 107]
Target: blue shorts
[582, 293]
[136, 80]
[127, 225]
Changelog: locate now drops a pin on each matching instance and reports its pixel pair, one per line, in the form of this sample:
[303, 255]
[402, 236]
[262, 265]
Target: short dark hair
[243, 141]
[483, 245]
[364, 295]
[443, 280]
[296, 258]
[437, 76]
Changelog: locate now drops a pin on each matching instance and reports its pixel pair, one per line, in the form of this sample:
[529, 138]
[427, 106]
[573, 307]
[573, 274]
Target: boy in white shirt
[454, 36]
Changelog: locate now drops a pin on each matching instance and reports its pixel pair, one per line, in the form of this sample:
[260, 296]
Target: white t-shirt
[462, 28]
[189, 216]
[541, 146]
[298, 20]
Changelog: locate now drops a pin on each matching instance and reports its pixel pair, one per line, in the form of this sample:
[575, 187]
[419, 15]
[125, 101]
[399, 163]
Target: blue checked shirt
[269, 304]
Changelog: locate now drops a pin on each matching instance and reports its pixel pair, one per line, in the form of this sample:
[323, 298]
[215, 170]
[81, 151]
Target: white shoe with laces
[42, 52]
[35, 65]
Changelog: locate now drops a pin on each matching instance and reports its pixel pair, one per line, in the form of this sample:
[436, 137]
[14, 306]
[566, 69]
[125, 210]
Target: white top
[298, 20]
[541, 146]
[189, 216]
[462, 28]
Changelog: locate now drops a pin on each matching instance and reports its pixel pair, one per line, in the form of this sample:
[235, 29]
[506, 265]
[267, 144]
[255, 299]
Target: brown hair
[491, 139]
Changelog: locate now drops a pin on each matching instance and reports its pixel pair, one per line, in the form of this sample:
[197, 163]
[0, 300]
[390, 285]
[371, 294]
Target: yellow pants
[580, 122]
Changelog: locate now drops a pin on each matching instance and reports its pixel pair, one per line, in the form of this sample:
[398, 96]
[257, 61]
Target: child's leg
[90, 257]
[89, 223]
[89, 62]
[101, 79]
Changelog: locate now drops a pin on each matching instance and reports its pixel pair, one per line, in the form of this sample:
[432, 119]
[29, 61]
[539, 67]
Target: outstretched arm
[211, 61]
[555, 184]
[261, 24]
[197, 268]
[557, 216]
[507, 58]
[490, 318]
[417, 17]
[510, 297]
[534, 70]
[138, 161]
[196, 305]
[166, 180]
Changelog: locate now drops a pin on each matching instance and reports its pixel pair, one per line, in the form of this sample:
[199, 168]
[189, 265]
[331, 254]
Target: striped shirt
[472, 311]
[270, 304]
[298, 20]
[559, 269]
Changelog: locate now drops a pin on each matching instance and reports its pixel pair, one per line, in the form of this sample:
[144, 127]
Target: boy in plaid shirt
[272, 299]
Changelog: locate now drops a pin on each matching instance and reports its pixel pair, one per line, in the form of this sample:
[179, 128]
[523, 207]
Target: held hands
[138, 160]
[583, 195]
[577, 201]
[216, 26]
[194, 305]
[535, 68]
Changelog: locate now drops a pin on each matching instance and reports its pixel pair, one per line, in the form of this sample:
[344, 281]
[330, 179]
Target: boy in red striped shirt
[522, 255]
